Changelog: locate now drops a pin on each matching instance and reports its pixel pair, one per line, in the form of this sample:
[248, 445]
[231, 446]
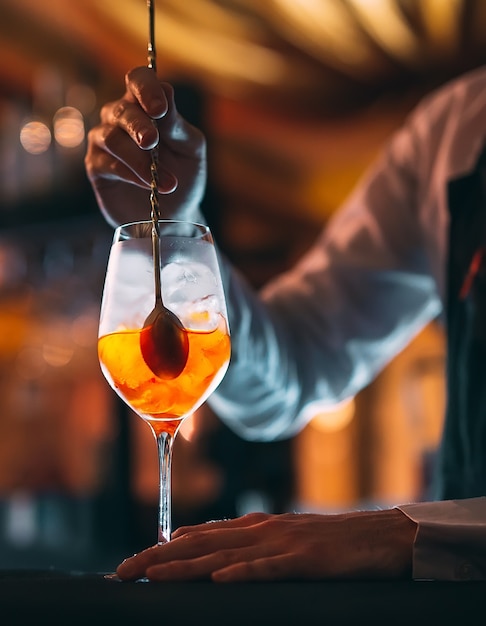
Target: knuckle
[198, 541]
[88, 165]
[105, 110]
[228, 556]
[91, 139]
[108, 137]
[118, 109]
[256, 516]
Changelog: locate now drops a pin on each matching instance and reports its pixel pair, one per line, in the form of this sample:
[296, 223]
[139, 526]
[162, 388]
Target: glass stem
[164, 447]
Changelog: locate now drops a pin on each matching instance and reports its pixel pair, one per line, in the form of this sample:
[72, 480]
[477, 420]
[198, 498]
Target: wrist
[386, 545]
[398, 539]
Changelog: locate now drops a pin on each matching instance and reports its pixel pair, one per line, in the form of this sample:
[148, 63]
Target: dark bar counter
[56, 597]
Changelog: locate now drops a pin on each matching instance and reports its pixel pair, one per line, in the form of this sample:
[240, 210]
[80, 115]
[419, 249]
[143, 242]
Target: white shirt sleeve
[450, 543]
[321, 332]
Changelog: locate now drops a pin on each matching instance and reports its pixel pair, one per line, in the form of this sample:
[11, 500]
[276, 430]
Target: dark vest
[462, 457]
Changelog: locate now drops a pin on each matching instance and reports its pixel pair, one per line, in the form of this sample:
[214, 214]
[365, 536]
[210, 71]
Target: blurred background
[296, 98]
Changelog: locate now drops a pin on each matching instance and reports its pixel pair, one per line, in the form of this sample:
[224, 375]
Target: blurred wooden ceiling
[311, 51]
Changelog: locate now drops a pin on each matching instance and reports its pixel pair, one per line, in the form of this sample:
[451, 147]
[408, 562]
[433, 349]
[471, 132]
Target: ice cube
[187, 282]
[202, 314]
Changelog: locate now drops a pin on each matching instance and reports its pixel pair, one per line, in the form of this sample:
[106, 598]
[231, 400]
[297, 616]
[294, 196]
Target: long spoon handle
[154, 154]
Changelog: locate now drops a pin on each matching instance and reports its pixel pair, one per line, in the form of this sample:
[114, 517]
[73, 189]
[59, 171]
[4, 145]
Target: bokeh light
[35, 137]
[69, 127]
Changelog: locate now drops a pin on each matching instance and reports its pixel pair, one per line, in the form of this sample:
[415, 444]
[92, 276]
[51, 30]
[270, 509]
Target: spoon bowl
[164, 343]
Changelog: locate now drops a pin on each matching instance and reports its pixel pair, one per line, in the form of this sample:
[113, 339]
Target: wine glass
[128, 349]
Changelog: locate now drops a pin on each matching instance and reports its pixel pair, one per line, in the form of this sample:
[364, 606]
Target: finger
[135, 566]
[190, 569]
[186, 548]
[102, 164]
[238, 522]
[144, 87]
[112, 155]
[144, 101]
[130, 118]
[201, 567]
[278, 567]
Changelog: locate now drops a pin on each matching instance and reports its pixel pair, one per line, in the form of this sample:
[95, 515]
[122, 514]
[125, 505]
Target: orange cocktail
[161, 402]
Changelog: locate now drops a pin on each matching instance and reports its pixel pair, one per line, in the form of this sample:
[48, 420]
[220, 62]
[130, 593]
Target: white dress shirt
[375, 277]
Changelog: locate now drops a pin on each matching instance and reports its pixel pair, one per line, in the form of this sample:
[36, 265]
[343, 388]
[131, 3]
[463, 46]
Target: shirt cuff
[450, 543]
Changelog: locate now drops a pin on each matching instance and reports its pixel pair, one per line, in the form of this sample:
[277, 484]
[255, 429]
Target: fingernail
[221, 576]
[126, 569]
[158, 107]
[167, 182]
[147, 137]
